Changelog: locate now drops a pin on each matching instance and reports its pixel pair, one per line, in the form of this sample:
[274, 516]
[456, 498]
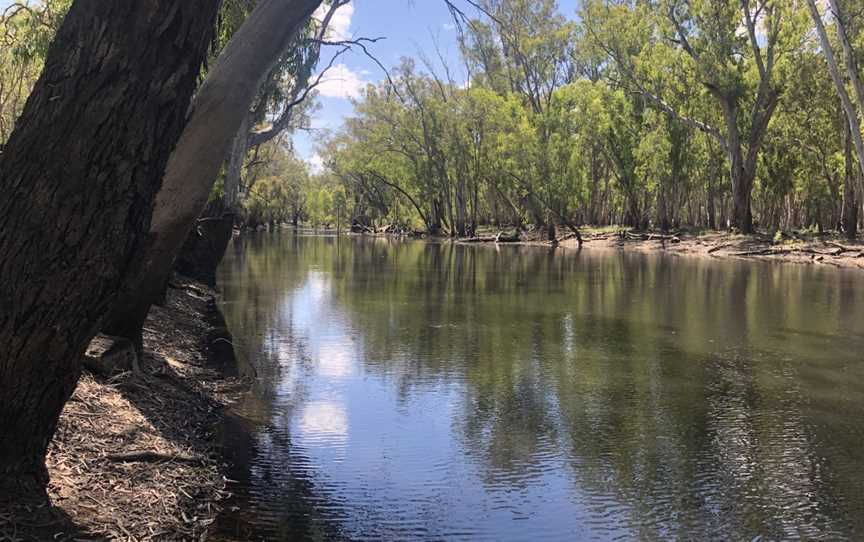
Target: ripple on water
[420, 392]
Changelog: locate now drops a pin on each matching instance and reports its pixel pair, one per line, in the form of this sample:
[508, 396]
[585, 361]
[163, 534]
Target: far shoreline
[828, 249]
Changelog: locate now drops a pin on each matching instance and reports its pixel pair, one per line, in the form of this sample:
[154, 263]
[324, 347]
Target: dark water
[412, 391]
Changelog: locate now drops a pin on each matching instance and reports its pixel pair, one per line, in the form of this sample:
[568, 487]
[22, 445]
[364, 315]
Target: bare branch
[261, 137]
[682, 34]
[750, 22]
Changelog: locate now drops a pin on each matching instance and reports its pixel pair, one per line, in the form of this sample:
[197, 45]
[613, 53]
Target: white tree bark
[840, 84]
[848, 53]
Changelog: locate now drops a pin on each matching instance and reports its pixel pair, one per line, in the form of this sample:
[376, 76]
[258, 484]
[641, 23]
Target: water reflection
[414, 390]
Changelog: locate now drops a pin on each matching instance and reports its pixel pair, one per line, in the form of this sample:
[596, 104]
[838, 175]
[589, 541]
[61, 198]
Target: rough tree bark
[219, 108]
[77, 181]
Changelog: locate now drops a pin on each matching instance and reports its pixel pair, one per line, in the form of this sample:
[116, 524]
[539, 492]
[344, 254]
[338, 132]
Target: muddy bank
[135, 455]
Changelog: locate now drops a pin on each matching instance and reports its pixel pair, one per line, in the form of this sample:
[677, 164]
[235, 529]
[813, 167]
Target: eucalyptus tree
[25, 33]
[283, 191]
[391, 146]
[220, 105]
[283, 91]
[110, 105]
[734, 51]
[530, 42]
[851, 109]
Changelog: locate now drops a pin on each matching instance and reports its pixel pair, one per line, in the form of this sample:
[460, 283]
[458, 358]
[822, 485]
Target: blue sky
[410, 27]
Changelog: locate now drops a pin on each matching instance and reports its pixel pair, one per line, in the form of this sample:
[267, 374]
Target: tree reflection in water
[421, 390]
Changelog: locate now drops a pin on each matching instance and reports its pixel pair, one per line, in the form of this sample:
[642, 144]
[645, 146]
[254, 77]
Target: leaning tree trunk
[78, 177]
[218, 111]
[234, 169]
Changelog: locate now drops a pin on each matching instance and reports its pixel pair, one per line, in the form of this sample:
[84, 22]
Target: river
[407, 390]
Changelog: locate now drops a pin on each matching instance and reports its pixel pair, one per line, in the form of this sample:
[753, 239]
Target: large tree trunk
[742, 217]
[218, 111]
[77, 182]
[851, 60]
[204, 248]
[742, 170]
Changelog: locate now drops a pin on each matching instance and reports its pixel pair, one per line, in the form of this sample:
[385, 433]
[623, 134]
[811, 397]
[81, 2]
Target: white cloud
[340, 24]
[316, 164]
[341, 82]
[324, 420]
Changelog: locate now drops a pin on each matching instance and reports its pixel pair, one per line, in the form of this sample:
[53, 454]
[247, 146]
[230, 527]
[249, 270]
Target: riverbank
[828, 249]
[135, 455]
[813, 249]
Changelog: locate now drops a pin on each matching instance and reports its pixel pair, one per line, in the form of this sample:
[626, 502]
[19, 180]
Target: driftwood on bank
[844, 248]
[650, 237]
[501, 237]
[775, 251]
[714, 249]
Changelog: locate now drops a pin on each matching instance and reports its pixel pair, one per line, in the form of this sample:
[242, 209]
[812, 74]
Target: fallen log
[842, 248]
[149, 456]
[714, 249]
[483, 239]
[501, 237]
[651, 237]
[762, 252]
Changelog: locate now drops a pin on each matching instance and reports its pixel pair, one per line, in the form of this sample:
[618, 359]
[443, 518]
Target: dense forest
[125, 126]
[664, 114]
[645, 114]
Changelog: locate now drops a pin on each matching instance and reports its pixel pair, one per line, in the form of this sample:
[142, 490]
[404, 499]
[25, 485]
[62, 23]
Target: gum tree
[110, 105]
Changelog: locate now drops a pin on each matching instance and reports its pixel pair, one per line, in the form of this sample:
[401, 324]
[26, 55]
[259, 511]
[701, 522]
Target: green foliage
[634, 112]
[639, 113]
[278, 190]
[26, 31]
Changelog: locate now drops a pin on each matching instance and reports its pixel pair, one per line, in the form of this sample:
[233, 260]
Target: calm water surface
[414, 391]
